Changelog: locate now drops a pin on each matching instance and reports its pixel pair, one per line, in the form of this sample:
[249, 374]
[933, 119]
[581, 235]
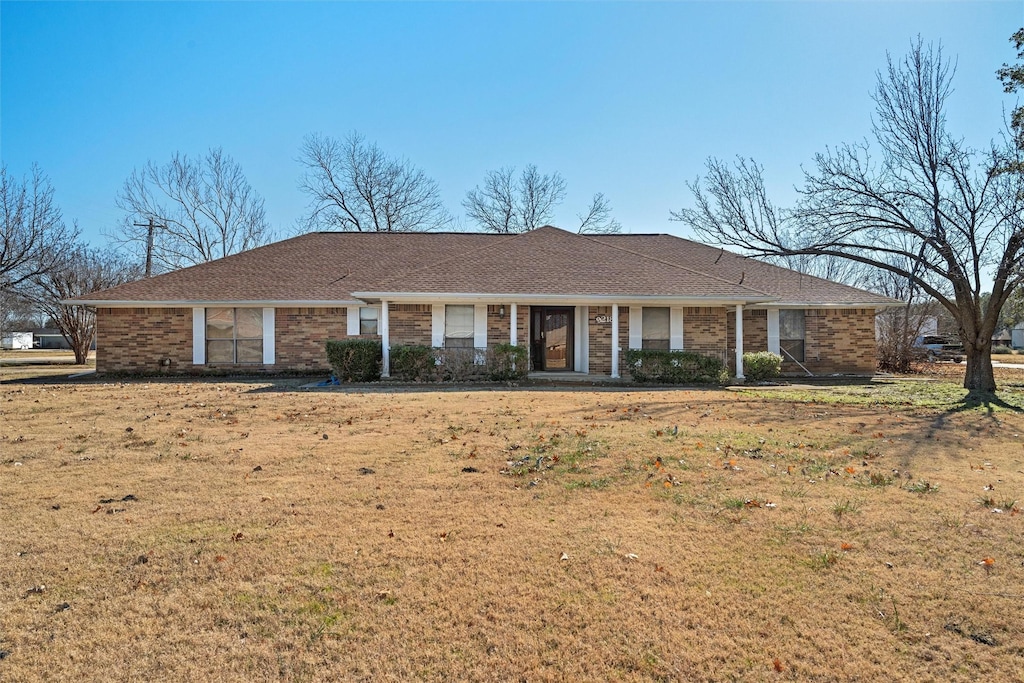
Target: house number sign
[602, 319]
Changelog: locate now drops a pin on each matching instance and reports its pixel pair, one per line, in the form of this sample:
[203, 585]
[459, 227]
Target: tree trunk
[979, 378]
[81, 351]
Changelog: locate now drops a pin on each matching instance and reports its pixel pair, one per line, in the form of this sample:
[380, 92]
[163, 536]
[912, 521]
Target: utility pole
[149, 242]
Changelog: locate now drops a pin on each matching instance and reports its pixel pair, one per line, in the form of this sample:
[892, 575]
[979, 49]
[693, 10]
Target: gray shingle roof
[337, 267]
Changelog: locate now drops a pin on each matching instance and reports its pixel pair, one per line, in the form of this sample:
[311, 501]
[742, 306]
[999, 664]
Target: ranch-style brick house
[577, 301]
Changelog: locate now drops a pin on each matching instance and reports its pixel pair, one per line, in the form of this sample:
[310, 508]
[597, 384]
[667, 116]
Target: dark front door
[552, 337]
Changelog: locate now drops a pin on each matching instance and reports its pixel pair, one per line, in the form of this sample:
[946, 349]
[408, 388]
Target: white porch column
[513, 325]
[615, 340]
[739, 341]
[385, 340]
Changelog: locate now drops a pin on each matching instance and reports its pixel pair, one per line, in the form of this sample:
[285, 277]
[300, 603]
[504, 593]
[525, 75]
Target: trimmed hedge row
[359, 360]
[675, 367]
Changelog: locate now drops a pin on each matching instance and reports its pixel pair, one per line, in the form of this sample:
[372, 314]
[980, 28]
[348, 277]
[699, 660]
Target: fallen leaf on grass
[777, 665]
[237, 537]
[846, 546]
[35, 590]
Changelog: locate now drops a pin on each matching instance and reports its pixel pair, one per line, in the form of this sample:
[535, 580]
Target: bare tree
[85, 270]
[598, 218]
[927, 209]
[510, 203]
[507, 203]
[33, 236]
[205, 210]
[355, 187]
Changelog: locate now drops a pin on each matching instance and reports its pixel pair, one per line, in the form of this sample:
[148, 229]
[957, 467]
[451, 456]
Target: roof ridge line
[775, 265]
[502, 238]
[676, 265]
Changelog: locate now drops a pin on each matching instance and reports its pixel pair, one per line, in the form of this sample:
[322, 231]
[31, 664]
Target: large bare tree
[508, 202]
[33, 236]
[354, 186]
[924, 207]
[85, 270]
[204, 209]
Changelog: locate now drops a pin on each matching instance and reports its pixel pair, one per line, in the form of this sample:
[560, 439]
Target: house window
[791, 334]
[234, 335]
[655, 328]
[458, 327]
[368, 320]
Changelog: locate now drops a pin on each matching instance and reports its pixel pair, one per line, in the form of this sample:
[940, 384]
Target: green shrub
[355, 360]
[675, 367]
[414, 363]
[507, 363]
[761, 365]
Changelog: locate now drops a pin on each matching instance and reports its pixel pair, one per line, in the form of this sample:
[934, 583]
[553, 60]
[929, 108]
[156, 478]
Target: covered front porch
[569, 337]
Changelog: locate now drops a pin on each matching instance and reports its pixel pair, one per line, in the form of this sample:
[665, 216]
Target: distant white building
[16, 341]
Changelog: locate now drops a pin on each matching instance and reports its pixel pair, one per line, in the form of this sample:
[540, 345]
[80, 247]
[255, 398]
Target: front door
[552, 337]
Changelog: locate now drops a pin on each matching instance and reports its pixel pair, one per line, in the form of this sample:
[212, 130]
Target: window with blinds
[655, 328]
[458, 327]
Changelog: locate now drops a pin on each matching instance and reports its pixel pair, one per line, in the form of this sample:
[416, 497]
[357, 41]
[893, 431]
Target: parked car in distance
[933, 348]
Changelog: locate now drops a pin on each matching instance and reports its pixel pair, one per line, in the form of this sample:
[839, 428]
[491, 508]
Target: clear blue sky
[628, 99]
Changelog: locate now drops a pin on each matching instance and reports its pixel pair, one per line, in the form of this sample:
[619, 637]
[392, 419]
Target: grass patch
[504, 535]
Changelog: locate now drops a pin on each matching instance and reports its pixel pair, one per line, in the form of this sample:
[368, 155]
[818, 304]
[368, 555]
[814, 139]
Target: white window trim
[352, 314]
[675, 342]
[437, 325]
[480, 326]
[269, 351]
[774, 344]
[198, 336]
[636, 327]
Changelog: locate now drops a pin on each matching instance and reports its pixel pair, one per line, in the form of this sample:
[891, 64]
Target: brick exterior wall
[706, 330]
[838, 341]
[410, 324]
[600, 341]
[755, 334]
[301, 334]
[138, 339]
[835, 340]
[499, 327]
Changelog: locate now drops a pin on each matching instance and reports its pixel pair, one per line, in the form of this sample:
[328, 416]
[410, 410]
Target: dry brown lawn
[248, 531]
